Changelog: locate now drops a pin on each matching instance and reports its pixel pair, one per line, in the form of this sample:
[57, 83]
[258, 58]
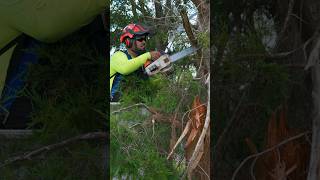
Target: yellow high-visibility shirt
[119, 63]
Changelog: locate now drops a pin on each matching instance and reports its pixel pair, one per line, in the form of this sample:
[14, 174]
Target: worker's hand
[155, 55]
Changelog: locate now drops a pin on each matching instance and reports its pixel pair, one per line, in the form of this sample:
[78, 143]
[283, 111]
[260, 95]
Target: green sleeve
[120, 63]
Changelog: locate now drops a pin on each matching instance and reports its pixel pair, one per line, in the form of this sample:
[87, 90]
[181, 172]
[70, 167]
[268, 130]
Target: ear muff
[129, 42]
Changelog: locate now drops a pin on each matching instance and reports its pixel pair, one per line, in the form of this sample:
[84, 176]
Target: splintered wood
[201, 165]
[289, 161]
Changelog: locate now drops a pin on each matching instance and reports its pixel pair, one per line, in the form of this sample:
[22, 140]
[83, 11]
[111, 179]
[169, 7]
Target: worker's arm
[120, 63]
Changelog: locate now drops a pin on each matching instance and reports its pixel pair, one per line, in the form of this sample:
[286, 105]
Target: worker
[134, 37]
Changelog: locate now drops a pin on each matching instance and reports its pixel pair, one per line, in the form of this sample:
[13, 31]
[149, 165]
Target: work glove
[154, 56]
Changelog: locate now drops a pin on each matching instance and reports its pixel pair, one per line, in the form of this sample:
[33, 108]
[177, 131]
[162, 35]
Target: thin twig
[204, 171]
[30, 155]
[134, 105]
[252, 168]
[299, 18]
[268, 150]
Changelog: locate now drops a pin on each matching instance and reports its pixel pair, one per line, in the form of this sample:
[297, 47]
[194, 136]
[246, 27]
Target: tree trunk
[161, 42]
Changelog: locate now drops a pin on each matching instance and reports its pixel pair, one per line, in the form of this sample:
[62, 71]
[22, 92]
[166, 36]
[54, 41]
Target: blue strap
[17, 72]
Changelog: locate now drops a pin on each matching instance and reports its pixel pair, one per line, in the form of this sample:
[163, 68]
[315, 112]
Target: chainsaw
[163, 63]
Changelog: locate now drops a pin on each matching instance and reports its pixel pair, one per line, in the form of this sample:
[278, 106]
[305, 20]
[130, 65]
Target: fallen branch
[29, 155]
[268, 150]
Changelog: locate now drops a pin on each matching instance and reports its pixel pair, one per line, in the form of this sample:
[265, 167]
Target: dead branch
[268, 150]
[30, 155]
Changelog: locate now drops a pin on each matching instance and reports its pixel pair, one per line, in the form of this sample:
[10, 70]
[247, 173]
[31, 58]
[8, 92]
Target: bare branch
[29, 155]
[134, 105]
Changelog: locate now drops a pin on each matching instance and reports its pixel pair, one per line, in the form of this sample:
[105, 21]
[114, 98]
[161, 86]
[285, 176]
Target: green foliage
[204, 39]
[134, 153]
[138, 147]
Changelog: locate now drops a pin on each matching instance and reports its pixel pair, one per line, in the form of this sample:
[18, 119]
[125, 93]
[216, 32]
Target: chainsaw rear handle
[157, 65]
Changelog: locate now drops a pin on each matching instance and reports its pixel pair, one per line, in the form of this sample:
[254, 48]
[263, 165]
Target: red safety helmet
[130, 31]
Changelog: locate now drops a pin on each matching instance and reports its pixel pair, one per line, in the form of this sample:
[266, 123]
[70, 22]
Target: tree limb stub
[29, 155]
